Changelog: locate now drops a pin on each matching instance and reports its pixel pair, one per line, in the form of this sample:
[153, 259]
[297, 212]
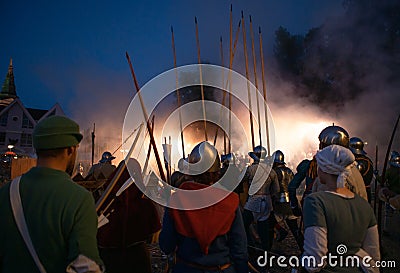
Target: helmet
[279, 157]
[258, 153]
[333, 135]
[357, 146]
[205, 155]
[228, 159]
[183, 164]
[395, 159]
[106, 157]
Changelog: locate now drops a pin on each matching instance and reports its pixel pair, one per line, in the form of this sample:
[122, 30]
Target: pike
[248, 81]
[231, 55]
[255, 78]
[376, 176]
[223, 96]
[201, 80]
[264, 92]
[178, 93]
[146, 117]
[118, 174]
[93, 136]
[146, 163]
[382, 182]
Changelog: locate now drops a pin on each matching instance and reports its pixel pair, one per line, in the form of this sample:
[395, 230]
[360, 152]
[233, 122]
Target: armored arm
[295, 184]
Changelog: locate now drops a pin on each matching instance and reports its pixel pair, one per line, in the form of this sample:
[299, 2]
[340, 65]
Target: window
[4, 119]
[26, 140]
[2, 138]
[26, 122]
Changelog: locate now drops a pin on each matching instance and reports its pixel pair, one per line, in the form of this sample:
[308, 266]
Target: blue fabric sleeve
[168, 235]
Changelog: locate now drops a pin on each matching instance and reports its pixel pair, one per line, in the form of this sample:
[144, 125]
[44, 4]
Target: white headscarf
[336, 160]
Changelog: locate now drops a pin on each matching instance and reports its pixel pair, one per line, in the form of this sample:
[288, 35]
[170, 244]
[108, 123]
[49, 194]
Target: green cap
[56, 132]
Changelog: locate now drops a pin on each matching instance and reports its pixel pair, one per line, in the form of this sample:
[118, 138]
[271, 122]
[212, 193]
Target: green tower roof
[8, 89]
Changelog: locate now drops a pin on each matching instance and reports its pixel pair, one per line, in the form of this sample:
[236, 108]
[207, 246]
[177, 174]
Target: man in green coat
[60, 215]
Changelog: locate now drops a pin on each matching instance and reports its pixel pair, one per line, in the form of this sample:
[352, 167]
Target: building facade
[17, 121]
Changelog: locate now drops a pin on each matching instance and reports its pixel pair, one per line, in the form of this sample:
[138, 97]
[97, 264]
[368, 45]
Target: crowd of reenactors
[255, 213]
[274, 205]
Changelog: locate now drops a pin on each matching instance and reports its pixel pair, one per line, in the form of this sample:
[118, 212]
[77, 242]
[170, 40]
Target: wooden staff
[93, 136]
[248, 81]
[146, 116]
[230, 85]
[255, 78]
[376, 177]
[223, 96]
[231, 56]
[201, 80]
[118, 174]
[264, 93]
[146, 163]
[178, 93]
[382, 182]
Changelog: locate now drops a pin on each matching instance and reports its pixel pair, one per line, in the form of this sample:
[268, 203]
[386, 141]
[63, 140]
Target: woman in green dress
[340, 227]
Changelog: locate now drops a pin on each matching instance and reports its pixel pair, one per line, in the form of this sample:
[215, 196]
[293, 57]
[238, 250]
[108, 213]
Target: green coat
[61, 219]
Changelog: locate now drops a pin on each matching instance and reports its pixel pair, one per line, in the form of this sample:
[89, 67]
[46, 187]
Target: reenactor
[364, 163]
[211, 239]
[391, 193]
[282, 209]
[307, 169]
[263, 190]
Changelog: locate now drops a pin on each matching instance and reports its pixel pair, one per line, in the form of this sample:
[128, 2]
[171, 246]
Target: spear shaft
[228, 85]
[178, 93]
[223, 96]
[93, 136]
[146, 163]
[201, 80]
[382, 182]
[264, 92]
[248, 81]
[376, 177]
[231, 55]
[255, 78]
[146, 117]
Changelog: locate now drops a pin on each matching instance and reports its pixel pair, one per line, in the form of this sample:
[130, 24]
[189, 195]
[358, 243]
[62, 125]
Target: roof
[8, 89]
[36, 113]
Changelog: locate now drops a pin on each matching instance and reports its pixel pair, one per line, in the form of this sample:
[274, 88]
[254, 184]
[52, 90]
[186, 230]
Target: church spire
[8, 89]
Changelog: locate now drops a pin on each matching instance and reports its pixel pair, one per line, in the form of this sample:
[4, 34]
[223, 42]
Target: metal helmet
[106, 157]
[228, 159]
[258, 153]
[333, 135]
[395, 159]
[279, 157]
[357, 146]
[203, 156]
[183, 164]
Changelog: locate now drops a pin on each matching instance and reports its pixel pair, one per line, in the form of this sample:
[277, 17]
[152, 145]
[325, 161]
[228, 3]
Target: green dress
[61, 220]
[331, 221]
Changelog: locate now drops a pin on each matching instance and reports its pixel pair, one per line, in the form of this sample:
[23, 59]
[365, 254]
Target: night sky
[62, 50]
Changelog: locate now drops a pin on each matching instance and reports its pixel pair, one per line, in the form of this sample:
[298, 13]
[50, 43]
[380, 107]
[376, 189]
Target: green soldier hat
[56, 132]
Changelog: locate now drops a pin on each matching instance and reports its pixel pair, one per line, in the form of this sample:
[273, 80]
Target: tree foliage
[336, 60]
